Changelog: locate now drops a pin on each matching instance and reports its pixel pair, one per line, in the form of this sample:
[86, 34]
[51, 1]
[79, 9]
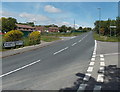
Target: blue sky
[60, 13]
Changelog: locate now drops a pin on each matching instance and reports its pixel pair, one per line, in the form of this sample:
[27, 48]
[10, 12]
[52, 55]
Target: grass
[49, 38]
[106, 38]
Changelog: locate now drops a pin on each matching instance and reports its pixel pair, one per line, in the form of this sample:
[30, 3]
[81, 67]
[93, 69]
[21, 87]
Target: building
[53, 29]
[25, 29]
[41, 29]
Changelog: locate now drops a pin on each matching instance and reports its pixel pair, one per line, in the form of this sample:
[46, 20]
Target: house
[25, 29]
[53, 29]
[41, 29]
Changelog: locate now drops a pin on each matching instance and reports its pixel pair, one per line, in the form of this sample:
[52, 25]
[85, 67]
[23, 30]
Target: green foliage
[28, 23]
[7, 24]
[63, 28]
[13, 35]
[34, 38]
[105, 29]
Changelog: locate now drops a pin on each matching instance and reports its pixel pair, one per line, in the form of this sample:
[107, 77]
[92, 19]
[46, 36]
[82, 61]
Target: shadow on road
[111, 82]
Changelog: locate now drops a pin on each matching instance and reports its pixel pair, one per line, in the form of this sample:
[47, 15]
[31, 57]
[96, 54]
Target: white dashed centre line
[101, 56]
[60, 50]
[20, 68]
[90, 69]
[74, 44]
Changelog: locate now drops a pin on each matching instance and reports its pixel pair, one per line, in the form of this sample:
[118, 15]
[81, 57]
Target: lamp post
[99, 18]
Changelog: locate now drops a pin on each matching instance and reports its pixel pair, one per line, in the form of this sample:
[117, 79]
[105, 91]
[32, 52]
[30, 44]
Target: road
[48, 68]
[79, 64]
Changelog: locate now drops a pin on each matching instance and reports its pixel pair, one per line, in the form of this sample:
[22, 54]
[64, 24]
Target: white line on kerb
[20, 68]
[60, 50]
[90, 69]
[100, 78]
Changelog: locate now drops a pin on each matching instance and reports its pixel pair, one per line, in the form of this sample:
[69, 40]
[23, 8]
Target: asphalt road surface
[49, 68]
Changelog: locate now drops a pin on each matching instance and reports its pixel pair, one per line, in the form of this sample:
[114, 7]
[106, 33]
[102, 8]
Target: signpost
[9, 44]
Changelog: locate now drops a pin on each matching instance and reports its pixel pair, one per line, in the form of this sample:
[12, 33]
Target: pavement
[74, 65]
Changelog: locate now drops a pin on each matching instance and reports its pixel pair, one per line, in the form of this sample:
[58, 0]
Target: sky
[60, 13]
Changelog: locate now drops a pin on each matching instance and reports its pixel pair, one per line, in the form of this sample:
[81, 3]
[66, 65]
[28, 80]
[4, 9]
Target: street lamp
[99, 18]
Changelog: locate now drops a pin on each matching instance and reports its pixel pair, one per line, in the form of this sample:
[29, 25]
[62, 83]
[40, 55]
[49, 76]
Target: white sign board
[112, 26]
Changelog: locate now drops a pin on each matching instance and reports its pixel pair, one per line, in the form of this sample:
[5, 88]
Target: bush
[34, 38]
[13, 35]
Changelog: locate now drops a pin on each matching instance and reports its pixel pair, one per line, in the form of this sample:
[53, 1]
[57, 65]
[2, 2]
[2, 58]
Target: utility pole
[99, 19]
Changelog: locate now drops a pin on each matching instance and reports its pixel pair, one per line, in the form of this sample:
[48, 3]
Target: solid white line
[90, 69]
[92, 59]
[100, 78]
[87, 77]
[97, 88]
[102, 63]
[20, 68]
[102, 59]
[82, 87]
[74, 44]
[92, 63]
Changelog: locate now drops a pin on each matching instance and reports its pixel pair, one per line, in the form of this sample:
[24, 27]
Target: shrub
[34, 38]
[13, 35]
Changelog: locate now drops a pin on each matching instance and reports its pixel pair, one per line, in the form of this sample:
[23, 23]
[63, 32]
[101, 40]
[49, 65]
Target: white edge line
[20, 68]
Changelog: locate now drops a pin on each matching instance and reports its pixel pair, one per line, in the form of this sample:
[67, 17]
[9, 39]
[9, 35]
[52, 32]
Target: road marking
[94, 53]
[101, 70]
[82, 87]
[79, 41]
[74, 44]
[101, 56]
[92, 59]
[97, 88]
[18, 69]
[102, 59]
[100, 78]
[94, 56]
[102, 63]
[60, 50]
[87, 77]
[92, 63]
[90, 69]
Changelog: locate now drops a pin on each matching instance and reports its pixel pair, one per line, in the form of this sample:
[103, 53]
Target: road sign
[18, 43]
[9, 44]
[112, 26]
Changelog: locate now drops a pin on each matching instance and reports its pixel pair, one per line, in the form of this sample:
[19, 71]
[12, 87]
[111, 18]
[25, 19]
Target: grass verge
[106, 38]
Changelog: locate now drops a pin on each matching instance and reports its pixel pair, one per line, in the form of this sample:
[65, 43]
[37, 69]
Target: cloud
[33, 17]
[51, 9]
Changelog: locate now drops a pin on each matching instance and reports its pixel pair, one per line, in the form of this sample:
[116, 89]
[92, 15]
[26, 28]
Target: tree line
[8, 24]
[108, 27]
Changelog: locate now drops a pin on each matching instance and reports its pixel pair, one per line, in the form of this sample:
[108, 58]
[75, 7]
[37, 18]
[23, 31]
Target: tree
[13, 35]
[80, 28]
[63, 28]
[34, 37]
[28, 23]
[8, 24]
